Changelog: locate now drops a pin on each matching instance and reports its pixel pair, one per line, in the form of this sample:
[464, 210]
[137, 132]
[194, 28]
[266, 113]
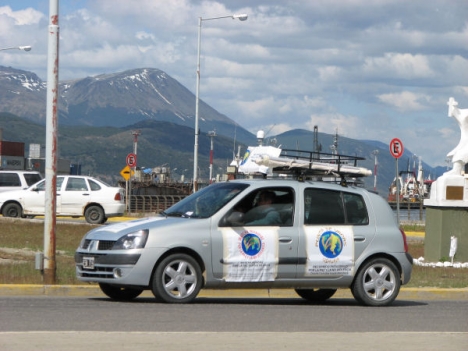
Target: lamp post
[24, 48]
[241, 17]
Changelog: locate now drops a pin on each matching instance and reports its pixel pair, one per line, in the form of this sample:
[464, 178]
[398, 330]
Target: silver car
[313, 237]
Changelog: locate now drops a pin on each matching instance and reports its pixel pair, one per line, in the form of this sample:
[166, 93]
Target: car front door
[246, 248]
[34, 198]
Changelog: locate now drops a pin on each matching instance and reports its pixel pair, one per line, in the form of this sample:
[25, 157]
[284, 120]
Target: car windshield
[206, 202]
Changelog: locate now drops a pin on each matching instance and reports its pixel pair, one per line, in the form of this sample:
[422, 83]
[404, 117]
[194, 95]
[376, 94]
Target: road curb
[94, 291]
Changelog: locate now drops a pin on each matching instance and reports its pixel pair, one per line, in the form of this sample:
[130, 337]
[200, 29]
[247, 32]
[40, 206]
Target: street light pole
[241, 17]
[24, 48]
[51, 145]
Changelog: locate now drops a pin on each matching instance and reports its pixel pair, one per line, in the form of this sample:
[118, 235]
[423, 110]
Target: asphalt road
[224, 323]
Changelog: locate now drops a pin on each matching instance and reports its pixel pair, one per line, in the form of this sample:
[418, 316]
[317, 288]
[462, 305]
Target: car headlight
[130, 241]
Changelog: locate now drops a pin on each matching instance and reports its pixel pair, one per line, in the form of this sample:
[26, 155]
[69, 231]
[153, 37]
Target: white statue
[459, 155]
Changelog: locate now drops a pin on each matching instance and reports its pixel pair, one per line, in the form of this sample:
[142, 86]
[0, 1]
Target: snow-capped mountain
[117, 100]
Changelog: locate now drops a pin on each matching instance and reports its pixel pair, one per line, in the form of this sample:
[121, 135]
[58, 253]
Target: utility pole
[211, 134]
[51, 146]
[135, 134]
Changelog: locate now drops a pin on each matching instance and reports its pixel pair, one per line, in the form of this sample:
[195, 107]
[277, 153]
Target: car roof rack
[270, 162]
[310, 165]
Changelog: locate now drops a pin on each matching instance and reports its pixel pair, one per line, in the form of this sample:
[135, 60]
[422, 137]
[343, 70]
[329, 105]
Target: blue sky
[368, 69]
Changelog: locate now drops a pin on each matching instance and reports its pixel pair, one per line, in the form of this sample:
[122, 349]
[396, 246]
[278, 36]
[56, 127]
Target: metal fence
[152, 203]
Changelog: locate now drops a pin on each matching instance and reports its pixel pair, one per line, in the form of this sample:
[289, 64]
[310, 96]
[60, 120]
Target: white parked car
[17, 180]
[76, 196]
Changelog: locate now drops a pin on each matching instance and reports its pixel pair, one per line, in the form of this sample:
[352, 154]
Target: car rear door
[75, 195]
[336, 231]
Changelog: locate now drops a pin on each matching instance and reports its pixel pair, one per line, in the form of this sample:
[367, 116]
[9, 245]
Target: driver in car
[265, 212]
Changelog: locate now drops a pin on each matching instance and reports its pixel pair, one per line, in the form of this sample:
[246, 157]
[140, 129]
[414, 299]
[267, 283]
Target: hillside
[101, 151]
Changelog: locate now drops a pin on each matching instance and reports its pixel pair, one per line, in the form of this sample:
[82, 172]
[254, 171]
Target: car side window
[76, 184]
[41, 186]
[356, 211]
[272, 206]
[323, 206]
[9, 179]
[93, 185]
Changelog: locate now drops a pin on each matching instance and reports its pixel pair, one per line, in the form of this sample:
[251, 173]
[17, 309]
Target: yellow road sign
[126, 173]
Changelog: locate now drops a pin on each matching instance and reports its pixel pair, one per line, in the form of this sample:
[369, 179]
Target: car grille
[102, 244]
[98, 272]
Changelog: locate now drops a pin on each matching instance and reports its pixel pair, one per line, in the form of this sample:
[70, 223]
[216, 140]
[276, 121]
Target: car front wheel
[12, 210]
[177, 279]
[95, 215]
[377, 283]
[316, 295]
[118, 293]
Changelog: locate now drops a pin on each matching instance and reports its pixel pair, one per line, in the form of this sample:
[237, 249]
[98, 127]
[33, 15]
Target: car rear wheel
[177, 279]
[95, 215]
[119, 293]
[12, 210]
[316, 295]
[377, 283]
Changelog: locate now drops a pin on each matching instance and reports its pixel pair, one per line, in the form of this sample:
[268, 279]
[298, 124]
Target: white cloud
[22, 17]
[398, 65]
[405, 101]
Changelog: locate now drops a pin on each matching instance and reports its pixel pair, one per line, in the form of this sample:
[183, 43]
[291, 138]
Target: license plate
[88, 262]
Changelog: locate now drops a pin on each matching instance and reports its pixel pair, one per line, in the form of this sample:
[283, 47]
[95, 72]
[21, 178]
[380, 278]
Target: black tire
[177, 279]
[12, 210]
[95, 215]
[377, 283]
[118, 293]
[316, 295]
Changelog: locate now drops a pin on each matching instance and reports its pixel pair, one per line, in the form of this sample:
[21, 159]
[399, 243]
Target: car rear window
[93, 185]
[32, 178]
[324, 206]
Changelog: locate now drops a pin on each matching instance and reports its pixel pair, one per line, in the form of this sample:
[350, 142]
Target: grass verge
[20, 239]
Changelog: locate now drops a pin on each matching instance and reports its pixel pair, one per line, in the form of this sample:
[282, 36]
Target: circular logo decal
[251, 244]
[331, 244]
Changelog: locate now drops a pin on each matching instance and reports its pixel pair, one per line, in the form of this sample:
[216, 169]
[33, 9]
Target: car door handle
[85, 194]
[360, 238]
[285, 239]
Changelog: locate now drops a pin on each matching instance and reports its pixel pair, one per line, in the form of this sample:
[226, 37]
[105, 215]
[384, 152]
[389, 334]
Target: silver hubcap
[179, 279]
[379, 282]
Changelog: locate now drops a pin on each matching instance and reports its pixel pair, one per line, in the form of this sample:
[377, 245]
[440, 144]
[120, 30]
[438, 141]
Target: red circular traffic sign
[396, 148]
[131, 160]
